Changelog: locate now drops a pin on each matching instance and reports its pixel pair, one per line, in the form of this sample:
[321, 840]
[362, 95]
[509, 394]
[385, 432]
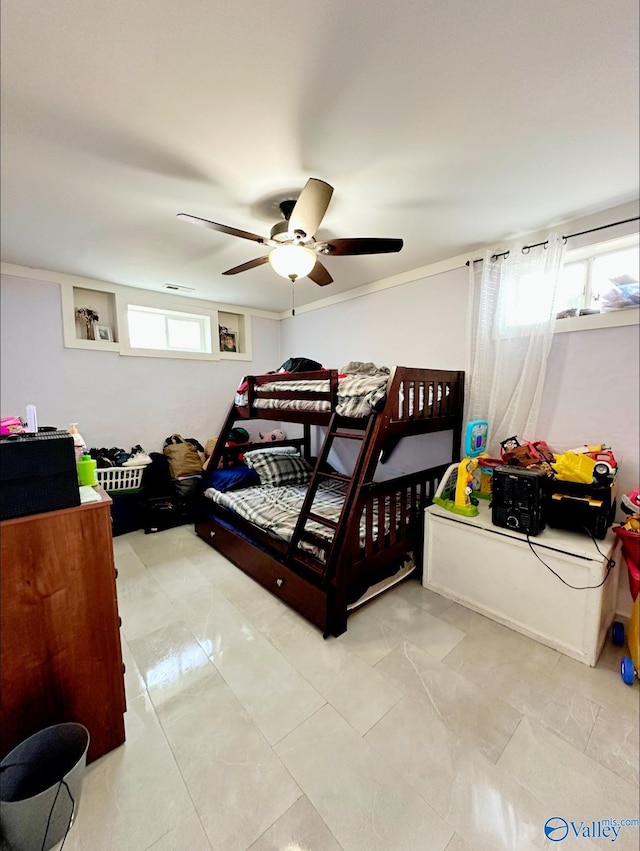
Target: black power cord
[610, 565]
[53, 806]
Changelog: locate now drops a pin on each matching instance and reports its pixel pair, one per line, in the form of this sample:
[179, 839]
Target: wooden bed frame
[325, 589]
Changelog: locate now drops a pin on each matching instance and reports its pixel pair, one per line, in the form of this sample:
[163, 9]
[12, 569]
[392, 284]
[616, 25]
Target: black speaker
[517, 500]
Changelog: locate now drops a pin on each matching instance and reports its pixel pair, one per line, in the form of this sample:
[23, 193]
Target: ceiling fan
[294, 248]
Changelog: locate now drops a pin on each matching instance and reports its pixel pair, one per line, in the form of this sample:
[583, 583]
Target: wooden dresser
[60, 631]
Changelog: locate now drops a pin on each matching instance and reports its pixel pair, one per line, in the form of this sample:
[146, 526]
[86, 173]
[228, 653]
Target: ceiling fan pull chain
[293, 298]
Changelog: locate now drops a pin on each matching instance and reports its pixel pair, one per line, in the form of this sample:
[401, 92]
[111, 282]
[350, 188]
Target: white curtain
[512, 318]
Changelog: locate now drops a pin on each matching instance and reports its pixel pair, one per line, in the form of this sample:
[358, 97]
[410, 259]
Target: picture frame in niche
[103, 333]
[228, 340]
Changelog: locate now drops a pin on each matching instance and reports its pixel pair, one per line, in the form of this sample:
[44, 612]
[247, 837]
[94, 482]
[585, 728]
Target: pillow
[231, 479]
[273, 450]
[277, 470]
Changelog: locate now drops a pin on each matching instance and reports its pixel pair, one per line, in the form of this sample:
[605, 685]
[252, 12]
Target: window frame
[165, 305]
[178, 315]
[608, 319]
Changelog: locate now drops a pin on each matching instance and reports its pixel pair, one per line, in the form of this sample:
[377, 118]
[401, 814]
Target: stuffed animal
[276, 434]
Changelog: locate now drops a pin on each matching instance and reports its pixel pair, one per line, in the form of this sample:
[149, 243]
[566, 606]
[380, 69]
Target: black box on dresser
[37, 474]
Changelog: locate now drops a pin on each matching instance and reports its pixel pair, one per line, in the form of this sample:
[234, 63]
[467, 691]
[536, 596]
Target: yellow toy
[632, 524]
[574, 467]
[456, 487]
[464, 485]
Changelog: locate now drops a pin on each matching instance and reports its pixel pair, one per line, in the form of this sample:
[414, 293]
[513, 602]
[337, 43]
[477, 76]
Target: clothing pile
[116, 457]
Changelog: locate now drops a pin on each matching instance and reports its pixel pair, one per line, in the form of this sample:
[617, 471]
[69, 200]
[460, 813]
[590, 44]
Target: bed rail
[395, 507]
[423, 394]
[255, 383]
[418, 400]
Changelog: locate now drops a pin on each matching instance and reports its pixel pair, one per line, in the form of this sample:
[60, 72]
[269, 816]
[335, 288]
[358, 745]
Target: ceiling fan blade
[251, 264]
[320, 275]
[310, 207]
[244, 234]
[364, 245]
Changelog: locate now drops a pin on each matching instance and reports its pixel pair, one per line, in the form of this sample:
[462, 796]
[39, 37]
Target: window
[600, 278]
[168, 330]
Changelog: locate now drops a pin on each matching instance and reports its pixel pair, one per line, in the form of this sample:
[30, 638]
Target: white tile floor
[425, 726]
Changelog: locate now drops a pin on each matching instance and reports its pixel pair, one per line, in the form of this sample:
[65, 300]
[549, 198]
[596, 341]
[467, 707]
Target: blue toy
[475, 439]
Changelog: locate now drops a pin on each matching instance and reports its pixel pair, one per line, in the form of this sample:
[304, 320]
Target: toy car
[602, 455]
[606, 464]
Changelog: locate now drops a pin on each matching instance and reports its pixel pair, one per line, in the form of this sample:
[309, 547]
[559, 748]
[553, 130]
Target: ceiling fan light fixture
[292, 261]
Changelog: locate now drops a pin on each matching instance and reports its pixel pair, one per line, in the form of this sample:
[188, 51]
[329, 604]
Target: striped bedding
[358, 395]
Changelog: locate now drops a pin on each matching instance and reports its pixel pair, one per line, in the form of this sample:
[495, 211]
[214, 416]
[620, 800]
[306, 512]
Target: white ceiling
[449, 124]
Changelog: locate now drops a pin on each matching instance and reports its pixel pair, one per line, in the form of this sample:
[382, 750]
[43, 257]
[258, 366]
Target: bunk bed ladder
[219, 454]
[357, 430]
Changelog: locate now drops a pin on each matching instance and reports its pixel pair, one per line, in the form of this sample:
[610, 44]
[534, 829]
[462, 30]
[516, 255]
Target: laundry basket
[120, 478]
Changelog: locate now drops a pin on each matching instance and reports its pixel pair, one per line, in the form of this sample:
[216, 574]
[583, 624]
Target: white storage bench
[493, 571]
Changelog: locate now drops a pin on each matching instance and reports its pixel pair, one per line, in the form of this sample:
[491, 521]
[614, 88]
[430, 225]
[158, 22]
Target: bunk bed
[324, 542]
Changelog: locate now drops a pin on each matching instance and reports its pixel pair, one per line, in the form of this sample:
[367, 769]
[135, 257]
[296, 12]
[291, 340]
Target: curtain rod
[527, 248]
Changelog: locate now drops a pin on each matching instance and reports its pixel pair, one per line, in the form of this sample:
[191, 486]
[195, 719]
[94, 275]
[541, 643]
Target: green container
[87, 471]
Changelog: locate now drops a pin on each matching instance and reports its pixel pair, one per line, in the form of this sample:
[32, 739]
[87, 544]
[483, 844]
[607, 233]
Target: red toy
[601, 454]
[526, 453]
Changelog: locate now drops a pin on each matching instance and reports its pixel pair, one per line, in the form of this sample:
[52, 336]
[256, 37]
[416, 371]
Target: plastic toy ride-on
[629, 535]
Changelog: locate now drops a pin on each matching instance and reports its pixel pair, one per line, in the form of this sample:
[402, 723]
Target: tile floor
[425, 726]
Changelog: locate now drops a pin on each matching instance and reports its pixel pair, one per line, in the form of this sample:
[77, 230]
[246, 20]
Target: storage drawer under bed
[306, 598]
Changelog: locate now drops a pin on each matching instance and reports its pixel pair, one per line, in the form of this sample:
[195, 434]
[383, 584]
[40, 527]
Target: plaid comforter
[276, 509]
